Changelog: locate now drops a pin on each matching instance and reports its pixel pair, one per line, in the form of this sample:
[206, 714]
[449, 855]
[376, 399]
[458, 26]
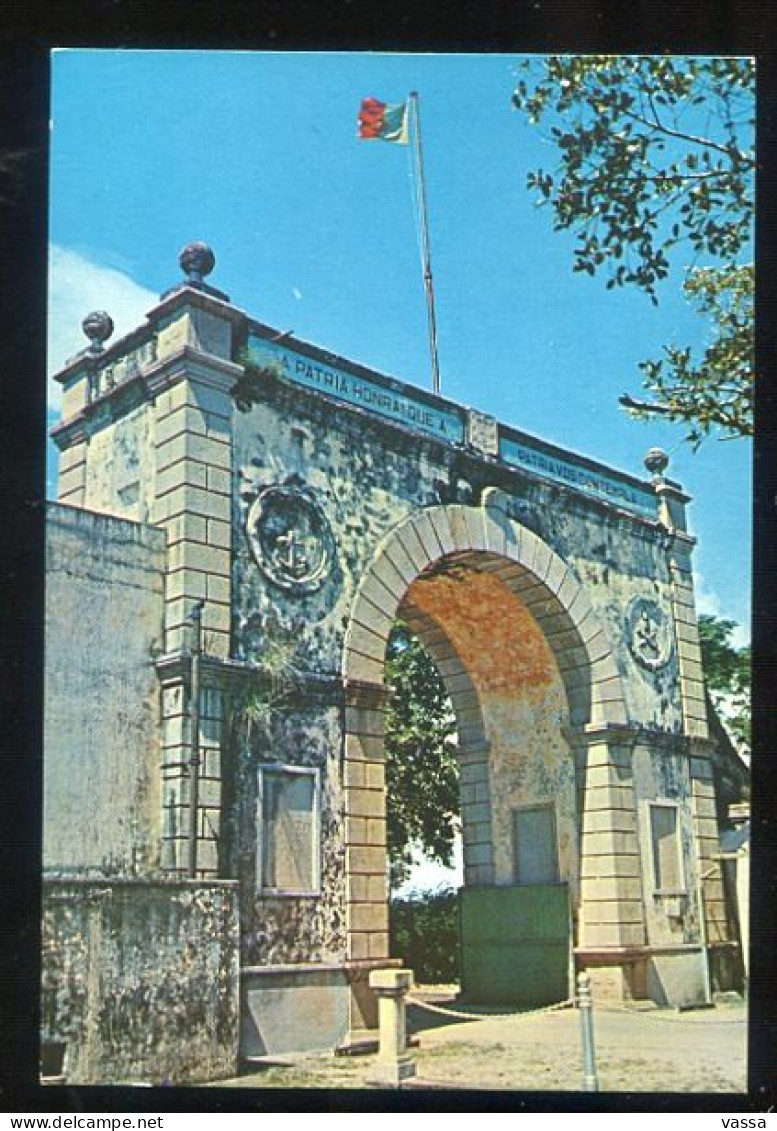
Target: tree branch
[643, 406]
[706, 143]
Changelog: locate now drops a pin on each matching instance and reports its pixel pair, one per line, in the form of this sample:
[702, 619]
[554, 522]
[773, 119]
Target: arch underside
[554, 624]
[469, 538]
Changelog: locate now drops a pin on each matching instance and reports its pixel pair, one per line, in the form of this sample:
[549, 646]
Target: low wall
[141, 979]
[104, 624]
[293, 1010]
[307, 1007]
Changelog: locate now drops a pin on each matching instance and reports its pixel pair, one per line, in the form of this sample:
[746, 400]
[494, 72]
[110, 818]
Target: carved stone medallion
[649, 633]
[290, 539]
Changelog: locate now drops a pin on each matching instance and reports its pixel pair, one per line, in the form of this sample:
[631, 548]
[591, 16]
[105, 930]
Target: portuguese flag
[379, 121]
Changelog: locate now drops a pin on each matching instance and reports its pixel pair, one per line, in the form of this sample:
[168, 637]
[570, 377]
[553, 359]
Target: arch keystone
[458, 524]
[473, 518]
[494, 535]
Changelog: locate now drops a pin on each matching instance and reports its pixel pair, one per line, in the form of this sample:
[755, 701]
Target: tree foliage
[424, 933]
[727, 674]
[656, 154]
[421, 771]
[717, 389]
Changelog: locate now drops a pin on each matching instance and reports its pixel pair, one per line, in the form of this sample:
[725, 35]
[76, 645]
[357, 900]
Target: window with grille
[288, 833]
[211, 714]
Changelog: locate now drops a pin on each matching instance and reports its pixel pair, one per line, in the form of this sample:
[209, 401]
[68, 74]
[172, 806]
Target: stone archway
[487, 539]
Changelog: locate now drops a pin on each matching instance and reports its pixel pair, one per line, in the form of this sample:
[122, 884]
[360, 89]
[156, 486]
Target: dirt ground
[637, 1050]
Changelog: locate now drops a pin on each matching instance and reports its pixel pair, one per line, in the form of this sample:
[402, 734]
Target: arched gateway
[307, 503]
[522, 654]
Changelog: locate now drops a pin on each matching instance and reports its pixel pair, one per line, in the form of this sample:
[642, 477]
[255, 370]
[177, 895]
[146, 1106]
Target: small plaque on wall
[482, 432]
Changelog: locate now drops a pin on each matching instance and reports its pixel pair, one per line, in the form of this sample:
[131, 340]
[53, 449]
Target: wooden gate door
[516, 944]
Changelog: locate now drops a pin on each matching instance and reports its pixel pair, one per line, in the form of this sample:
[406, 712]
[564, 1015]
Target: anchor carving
[293, 552]
[649, 641]
[290, 538]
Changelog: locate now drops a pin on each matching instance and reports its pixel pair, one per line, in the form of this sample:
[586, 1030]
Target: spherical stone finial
[98, 327]
[197, 260]
[656, 461]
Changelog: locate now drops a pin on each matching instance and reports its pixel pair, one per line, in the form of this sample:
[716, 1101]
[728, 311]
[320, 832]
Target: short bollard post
[585, 1005]
[394, 1063]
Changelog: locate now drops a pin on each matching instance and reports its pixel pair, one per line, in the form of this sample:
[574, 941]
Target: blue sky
[314, 231]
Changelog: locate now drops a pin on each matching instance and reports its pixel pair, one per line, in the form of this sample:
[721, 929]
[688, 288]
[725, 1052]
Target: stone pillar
[705, 830]
[672, 503]
[191, 381]
[193, 496]
[365, 822]
[76, 380]
[475, 788]
[393, 1064]
[72, 474]
[612, 917]
[176, 753]
[176, 738]
[692, 695]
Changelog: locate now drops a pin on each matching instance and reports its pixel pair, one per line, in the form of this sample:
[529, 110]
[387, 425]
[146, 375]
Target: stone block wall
[140, 979]
[104, 624]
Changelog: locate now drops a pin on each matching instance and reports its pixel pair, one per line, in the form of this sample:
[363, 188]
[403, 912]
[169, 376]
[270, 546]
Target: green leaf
[661, 190]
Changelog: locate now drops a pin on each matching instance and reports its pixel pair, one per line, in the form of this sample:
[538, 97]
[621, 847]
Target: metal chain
[488, 1016]
[570, 1002]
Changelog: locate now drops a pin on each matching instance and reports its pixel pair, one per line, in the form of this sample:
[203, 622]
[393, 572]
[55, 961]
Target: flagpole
[428, 283]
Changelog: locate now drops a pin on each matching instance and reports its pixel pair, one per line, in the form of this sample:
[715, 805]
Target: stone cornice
[190, 364]
[90, 362]
[617, 955]
[621, 733]
[669, 488]
[351, 966]
[175, 667]
[186, 295]
[186, 364]
[680, 540]
[629, 734]
[62, 878]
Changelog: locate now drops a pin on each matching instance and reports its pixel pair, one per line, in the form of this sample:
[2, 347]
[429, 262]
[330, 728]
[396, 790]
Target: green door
[516, 944]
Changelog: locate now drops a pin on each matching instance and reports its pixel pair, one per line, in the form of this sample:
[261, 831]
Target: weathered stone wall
[363, 490]
[281, 929]
[663, 775]
[367, 478]
[617, 559]
[119, 476]
[140, 979]
[104, 624]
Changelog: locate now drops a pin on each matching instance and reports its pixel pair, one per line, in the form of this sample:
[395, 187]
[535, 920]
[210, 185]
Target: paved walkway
[636, 1050]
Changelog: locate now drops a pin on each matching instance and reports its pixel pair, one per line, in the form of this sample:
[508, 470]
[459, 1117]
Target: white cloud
[709, 603]
[77, 286]
[427, 875]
